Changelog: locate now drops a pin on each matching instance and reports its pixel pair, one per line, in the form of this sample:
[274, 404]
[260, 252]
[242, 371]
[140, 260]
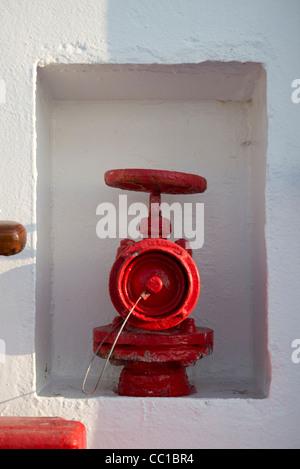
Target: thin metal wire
[143, 295]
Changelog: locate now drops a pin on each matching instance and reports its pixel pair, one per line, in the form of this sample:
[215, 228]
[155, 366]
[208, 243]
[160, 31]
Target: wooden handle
[13, 238]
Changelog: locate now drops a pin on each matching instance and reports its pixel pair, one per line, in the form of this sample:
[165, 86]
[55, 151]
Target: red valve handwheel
[156, 181]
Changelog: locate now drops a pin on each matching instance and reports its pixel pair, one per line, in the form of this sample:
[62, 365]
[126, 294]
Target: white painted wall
[43, 141]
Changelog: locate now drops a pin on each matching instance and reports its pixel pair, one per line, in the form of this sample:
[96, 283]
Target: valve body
[172, 265]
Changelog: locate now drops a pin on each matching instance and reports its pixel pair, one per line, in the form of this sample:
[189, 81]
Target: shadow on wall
[145, 26]
[15, 305]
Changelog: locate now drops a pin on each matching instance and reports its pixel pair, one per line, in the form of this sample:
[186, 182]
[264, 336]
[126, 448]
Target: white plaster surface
[140, 32]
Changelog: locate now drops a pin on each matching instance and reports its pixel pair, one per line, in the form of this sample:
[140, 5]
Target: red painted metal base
[154, 362]
[41, 433]
[154, 379]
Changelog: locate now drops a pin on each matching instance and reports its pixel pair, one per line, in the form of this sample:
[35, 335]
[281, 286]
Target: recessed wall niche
[208, 119]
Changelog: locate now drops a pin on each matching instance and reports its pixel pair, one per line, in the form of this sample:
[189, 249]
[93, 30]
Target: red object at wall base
[41, 433]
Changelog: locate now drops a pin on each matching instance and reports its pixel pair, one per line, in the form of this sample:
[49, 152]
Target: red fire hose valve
[158, 341]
